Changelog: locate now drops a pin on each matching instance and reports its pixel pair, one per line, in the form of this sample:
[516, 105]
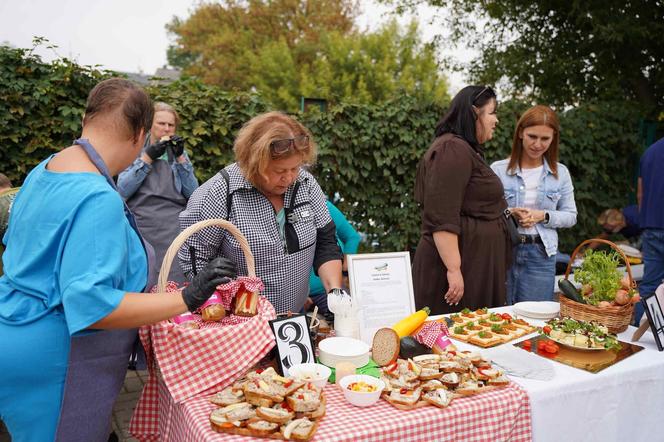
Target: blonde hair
[252, 144]
[611, 216]
[160, 106]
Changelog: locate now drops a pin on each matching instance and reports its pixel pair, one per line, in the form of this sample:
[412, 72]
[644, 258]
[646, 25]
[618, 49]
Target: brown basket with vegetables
[606, 295]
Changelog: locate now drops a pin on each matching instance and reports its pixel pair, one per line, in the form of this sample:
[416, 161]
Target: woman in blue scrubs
[75, 265]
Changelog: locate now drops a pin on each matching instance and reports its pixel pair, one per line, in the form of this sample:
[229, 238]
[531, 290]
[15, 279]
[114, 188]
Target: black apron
[157, 204]
[97, 362]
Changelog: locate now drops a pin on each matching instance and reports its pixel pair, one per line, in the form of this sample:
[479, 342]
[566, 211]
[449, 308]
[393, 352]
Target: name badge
[296, 217]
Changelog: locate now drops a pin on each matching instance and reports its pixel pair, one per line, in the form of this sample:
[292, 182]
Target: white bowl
[339, 349]
[317, 374]
[360, 398]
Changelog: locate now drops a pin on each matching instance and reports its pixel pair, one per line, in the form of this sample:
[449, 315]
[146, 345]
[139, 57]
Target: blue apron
[97, 361]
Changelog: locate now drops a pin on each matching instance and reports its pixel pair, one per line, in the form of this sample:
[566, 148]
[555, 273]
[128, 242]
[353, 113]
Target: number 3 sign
[293, 341]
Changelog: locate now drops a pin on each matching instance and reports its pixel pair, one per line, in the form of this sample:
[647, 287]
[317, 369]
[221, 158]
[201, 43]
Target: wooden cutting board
[588, 360]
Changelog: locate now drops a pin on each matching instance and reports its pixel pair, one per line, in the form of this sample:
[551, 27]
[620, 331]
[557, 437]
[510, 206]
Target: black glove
[177, 144]
[157, 149]
[218, 271]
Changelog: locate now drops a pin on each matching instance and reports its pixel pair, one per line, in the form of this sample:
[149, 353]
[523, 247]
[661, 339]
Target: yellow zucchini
[410, 323]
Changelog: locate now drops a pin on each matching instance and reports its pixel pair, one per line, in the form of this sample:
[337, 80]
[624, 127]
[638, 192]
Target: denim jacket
[554, 195]
[132, 177]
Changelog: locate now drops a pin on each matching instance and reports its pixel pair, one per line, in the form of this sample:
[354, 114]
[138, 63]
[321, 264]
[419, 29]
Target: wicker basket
[255, 325]
[186, 233]
[615, 318]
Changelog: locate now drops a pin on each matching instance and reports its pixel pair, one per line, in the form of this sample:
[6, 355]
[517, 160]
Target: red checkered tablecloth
[184, 362]
[498, 415]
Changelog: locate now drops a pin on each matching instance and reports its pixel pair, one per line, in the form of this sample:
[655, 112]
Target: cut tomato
[546, 330]
[527, 345]
[506, 316]
[541, 344]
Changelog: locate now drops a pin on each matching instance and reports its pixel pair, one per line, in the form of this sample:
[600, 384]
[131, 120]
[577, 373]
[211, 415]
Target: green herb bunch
[600, 271]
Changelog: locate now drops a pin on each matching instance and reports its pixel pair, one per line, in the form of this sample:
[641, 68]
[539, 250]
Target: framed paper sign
[655, 318]
[293, 341]
[381, 285]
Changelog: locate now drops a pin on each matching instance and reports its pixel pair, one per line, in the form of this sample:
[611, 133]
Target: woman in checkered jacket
[277, 205]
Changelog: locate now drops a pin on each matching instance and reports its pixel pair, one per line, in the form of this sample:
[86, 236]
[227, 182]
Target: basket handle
[179, 240]
[608, 243]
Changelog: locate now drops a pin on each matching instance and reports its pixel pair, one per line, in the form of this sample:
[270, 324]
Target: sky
[130, 35]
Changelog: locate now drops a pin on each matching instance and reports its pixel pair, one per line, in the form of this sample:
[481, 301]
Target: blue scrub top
[69, 247]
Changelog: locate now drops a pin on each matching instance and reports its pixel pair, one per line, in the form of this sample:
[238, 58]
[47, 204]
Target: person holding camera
[158, 185]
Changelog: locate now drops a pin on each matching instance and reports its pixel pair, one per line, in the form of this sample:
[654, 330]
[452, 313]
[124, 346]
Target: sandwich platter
[436, 379]
[485, 329]
[264, 404]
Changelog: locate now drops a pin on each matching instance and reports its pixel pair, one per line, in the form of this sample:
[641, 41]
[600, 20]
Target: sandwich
[428, 373]
[499, 381]
[228, 396]
[306, 399]
[405, 397]
[485, 339]
[453, 366]
[261, 428]
[238, 412]
[440, 398]
[468, 388]
[220, 421]
[466, 313]
[299, 429]
[451, 380]
[460, 333]
[458, 320]
[276, 414]
[260, 393]
[433, 384]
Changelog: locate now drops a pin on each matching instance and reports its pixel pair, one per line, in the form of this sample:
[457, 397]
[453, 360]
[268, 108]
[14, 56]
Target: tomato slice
[541, 344]
[546, 330]
[527, 345]
[506, 316]
[552, 349]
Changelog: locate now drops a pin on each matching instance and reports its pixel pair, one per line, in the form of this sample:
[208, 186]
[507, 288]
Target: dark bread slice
[385, 346]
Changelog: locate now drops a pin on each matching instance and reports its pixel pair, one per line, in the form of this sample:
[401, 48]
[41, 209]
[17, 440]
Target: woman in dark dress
[463, 254]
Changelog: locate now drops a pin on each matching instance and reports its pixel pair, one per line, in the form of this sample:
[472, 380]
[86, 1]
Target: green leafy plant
[368, 153]
[599, 271]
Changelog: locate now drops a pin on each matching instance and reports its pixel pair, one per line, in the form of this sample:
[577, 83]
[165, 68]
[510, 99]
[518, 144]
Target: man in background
[650, 195]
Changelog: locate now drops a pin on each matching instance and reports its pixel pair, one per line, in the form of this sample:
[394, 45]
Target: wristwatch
[546, 217]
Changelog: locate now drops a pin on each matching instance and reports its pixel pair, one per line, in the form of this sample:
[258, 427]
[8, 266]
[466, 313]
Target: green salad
[581, 334]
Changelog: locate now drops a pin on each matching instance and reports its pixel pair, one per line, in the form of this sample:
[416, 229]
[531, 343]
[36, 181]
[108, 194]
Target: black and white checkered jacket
[282, 265]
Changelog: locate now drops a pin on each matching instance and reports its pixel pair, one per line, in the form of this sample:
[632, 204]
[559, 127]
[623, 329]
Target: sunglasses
[280, 147]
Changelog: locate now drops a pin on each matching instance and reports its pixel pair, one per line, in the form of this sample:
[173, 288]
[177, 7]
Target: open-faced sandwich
[228, 396]
[264, 404]
[459, 374]
[440, 398]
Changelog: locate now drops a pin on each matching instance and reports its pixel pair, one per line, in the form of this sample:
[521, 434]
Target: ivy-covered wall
[368, 154]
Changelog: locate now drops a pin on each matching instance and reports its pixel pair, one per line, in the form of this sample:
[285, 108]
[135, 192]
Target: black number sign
[293, 341]
[656, 318]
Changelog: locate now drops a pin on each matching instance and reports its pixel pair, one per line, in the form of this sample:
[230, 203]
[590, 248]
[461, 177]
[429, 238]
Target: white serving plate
[537, 309]
[341, 349]
[630, 251]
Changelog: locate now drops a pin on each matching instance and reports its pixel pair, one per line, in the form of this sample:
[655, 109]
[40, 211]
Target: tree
[354, 68]
[215, 42]
[562, 52]
[233, 47]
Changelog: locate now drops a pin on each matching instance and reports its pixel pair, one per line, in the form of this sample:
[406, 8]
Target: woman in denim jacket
[539, 191]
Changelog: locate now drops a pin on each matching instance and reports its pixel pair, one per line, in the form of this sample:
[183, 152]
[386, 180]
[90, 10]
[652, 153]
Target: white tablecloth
[623, 402]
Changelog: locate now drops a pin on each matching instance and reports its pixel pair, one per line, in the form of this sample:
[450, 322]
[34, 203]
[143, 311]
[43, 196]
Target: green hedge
[368, 154]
